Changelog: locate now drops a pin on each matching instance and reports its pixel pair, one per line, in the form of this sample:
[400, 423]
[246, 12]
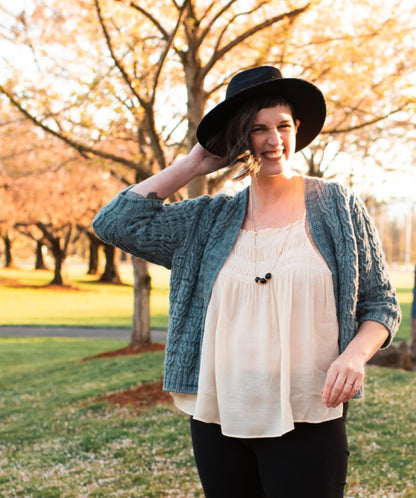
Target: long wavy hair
[233, 141]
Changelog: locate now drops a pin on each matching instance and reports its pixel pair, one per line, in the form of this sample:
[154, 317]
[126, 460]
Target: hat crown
[251, 77]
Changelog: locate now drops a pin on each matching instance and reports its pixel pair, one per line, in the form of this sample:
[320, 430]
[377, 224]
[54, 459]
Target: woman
[278, 297]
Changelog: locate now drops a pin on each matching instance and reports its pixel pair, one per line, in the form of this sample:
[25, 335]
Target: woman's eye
[262, 129]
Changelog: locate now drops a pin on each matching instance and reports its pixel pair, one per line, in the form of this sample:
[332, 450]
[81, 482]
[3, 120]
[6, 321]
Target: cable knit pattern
[193, 238]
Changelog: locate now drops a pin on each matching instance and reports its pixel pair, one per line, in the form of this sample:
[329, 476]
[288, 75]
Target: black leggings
[308, 462]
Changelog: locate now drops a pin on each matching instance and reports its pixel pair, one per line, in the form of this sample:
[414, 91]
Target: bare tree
[157, 67]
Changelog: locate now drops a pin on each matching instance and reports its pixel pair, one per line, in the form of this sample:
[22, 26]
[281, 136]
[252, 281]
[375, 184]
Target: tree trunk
[141, 317]
[197, 187]
[413, 324]
[59, 257]
[111, 273]
[413, 343]
[8, 253]
[40, 261]
[94, 255]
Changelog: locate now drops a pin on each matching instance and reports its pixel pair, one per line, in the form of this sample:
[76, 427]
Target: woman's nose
[274, 136]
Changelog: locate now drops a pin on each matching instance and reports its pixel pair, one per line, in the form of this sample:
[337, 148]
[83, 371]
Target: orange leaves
[63, 196]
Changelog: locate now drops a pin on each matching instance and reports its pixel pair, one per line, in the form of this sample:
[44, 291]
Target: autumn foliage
[57, 207]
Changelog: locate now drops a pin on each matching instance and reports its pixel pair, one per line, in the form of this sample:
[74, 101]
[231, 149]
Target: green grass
[57, 442]
[404, 282]
[102, 305]
[24, 299]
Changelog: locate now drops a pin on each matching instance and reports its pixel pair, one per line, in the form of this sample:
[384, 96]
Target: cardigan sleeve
[148, 228]
[376, 296]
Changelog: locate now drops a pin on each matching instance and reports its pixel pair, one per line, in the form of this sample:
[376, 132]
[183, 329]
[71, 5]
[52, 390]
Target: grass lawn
[404, 282]
[24, 299]
[57, 442]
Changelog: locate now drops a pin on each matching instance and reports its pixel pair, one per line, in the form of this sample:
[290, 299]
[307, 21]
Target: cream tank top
[267, 347]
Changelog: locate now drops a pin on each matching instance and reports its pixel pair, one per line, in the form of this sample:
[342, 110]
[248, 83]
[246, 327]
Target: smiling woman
[263, 350]
[273, 138]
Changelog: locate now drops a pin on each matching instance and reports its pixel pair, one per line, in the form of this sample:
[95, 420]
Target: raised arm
[142, 224]
[198, 162]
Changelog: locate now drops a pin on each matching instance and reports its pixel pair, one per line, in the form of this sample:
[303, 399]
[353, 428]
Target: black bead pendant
[263, 280]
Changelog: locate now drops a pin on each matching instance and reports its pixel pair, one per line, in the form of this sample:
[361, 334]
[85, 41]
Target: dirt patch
[129, 350]
[141, 397]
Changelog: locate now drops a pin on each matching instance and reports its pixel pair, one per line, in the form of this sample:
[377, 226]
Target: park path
[81, 332]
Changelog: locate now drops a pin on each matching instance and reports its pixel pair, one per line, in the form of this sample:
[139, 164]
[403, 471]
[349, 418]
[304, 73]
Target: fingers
[341, 385]
[340, 392]
[206, 162]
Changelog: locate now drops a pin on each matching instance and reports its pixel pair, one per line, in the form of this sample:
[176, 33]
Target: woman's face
[273, 137]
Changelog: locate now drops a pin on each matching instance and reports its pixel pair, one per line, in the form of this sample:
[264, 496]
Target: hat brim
[306, 98]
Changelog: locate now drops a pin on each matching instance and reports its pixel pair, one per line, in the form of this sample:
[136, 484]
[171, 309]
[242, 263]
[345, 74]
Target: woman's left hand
[346, 374]
[343, 380]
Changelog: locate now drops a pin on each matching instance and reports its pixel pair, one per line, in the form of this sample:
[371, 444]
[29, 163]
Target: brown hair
[233, 141]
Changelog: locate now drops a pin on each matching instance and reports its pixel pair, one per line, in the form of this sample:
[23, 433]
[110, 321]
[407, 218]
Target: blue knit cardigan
[194, 237]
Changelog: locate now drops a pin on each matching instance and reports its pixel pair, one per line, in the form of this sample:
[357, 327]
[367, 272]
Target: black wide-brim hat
[306, 99]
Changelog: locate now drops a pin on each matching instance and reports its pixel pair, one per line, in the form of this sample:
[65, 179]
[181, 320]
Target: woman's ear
[297, 123]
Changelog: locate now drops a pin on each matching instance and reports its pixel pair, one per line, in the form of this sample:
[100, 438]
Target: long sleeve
[376, 296]
[347, 239]
[148, 228]
[193, 238]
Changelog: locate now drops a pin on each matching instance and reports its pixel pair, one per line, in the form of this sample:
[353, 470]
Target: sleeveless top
[267, 347]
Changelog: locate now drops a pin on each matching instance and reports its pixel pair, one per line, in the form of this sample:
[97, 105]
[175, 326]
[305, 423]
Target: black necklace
[263, 280]
[268, 275]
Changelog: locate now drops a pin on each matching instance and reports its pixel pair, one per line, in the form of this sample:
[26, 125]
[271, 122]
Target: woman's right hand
[205, 162]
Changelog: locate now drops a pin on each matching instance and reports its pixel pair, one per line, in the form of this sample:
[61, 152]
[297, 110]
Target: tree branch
[151, 18]
[147, 106]
[118, 63]
[218, 54]
[165, 52]
[81, 148]
[359, 126]
[67, 238]
[220, 14]
[23, 229]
